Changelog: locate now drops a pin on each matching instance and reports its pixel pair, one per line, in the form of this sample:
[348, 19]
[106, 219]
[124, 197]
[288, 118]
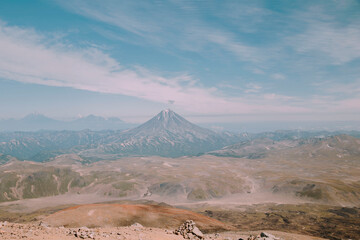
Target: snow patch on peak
[167, 113]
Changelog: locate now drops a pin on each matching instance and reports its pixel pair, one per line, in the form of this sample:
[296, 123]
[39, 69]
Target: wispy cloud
[327, 35]
[226, 41]
[253, 88]
[278, 76]
[273, 96]
[30, 57]
[246, 16]
[318, 33]
[183, 28]
[346, 89]
[341, 44]
[257, 70]
[238, 45]
[230, 86]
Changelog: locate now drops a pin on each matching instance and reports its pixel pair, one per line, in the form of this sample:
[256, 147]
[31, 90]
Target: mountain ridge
[167, 134]
[36, 122]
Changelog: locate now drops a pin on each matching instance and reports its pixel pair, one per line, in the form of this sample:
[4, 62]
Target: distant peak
[34, 116]
[92, 116]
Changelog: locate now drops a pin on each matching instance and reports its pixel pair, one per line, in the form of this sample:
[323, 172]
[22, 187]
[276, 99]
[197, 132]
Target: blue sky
[211, 61]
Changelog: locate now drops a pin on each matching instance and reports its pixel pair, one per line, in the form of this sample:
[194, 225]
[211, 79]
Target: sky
[218, 62]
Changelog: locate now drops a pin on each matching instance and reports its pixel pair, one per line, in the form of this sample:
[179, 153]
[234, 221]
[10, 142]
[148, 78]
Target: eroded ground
[324, 221]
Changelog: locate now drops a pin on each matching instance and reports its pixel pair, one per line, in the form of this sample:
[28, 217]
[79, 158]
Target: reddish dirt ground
[116, 215]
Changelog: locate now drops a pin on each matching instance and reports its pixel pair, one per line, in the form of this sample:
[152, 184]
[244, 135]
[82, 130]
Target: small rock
[43, 224]
[137, 225]
[266, 236]
[251, 237]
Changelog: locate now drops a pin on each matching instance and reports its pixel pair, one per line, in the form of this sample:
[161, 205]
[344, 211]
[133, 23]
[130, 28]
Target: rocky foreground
[188, 230]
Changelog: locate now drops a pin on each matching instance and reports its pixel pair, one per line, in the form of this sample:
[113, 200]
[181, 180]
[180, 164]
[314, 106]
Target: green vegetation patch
[124, 186]
[7, 181]
[38, 183]
[198, 194]
[311, 193]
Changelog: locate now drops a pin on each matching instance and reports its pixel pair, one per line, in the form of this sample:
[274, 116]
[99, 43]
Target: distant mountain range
[331, 146]
[167, 135]
[35, 122]
[257, 148]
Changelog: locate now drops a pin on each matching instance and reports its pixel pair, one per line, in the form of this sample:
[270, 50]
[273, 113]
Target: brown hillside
[115, 215]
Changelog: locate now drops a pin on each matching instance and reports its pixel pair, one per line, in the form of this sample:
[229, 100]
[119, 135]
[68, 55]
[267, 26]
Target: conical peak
[167, 121]
[168, 118]
[166, 112]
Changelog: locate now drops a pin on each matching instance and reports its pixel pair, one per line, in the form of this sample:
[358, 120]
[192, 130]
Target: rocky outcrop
[189, 230]
[83, 233]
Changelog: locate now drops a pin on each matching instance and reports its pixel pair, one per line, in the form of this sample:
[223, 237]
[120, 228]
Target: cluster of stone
[188, 230]
[262, 236]
[83, 233]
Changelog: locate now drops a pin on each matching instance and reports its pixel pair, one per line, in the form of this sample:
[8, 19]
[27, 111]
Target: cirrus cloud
[30, 57]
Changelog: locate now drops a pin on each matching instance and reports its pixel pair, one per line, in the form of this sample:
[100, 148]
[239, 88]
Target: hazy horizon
[241, 126]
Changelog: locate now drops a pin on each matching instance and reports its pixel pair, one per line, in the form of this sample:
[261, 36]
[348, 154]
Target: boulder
[189, 230]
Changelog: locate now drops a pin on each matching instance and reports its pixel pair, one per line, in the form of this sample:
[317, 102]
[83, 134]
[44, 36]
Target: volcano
[167, 134]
